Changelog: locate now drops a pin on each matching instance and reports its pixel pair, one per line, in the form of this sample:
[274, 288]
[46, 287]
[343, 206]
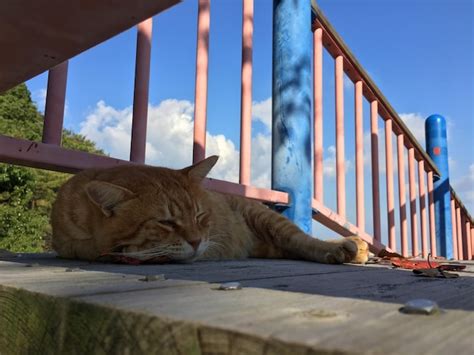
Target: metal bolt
[230, 286]
[420, 306]
[149, 278]
[32, 265]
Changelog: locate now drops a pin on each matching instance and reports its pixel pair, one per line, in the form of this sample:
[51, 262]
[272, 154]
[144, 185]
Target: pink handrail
[318, 114]
[432, 215]
[340, 163]
[374, 139]
[459, 233]
[359, 149]
[346, 63]
[471, 231]
[389, 179]
[412, 193]
[55, 102]
[454, 229]
[140, 96]
[202, 65]
[422, 196]
[402, 198]
[467, 231]
[246, 92]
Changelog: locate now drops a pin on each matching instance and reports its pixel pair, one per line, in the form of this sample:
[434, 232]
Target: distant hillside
[26, 194]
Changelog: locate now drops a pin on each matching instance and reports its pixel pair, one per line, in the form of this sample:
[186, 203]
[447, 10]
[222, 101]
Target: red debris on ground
[420, 267]
[413, 263]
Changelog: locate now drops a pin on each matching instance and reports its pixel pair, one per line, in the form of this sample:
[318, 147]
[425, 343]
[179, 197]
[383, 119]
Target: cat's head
[155, 215]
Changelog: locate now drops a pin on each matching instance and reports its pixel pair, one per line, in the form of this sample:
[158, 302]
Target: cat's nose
[195, 243]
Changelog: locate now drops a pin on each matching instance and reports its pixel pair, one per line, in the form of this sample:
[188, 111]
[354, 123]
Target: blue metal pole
[291, 138]
[437, 148]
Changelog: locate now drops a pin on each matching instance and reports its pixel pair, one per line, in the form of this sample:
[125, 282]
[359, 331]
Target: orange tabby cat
[159, 215]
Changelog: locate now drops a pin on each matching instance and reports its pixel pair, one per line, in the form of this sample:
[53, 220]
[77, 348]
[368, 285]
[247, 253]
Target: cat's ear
[202, 168]
[106, 195]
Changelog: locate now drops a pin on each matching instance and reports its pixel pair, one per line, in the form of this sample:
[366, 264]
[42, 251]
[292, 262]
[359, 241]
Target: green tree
[26, 194]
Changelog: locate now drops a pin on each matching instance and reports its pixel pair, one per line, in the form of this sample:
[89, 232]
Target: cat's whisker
[215, 246]
[153, 252]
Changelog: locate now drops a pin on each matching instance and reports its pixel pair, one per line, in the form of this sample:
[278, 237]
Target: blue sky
[418, 52]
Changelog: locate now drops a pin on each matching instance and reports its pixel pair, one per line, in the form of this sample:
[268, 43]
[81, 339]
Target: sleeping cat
[159, 215]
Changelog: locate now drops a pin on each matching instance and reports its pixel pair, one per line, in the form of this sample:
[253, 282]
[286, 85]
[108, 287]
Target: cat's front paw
[349, 250]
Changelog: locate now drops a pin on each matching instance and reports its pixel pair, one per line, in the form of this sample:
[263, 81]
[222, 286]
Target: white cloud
[261, 160]
[227, 167]
[262, 111]
[110, 129]
[329, 163]
[416, 124]
[170, 139]
[39, 97]
[348, 84]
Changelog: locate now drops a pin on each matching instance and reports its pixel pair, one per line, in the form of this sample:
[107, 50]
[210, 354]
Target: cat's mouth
[123, 255]
[124, 258]
[157, 260]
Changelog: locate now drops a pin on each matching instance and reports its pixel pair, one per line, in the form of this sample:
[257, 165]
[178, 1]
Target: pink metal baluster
[374, 146]
[318, 114]
[454, 228]
[55, 100]
[422, 196]
[472, 241]
[140, 98]
[389, 179]
[402, 194]
[432, 214]
[202, 63]
[340, 164]
[459, 230]
[359, 143]
[413, 213]
[246, 92]
[467, 231]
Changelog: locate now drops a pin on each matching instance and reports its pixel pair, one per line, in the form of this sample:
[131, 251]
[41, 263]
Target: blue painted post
[291, 138]
[437, 148]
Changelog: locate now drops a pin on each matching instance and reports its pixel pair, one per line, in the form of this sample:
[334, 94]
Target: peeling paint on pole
[437, 148]
[291, 138]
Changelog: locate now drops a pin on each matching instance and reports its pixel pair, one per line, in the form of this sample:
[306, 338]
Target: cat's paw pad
[349, 250]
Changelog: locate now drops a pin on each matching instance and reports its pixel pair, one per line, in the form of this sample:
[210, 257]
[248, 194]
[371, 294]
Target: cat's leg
[277, 231]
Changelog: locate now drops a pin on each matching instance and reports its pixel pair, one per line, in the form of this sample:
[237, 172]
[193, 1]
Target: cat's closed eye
[169, 224]
[202, 218]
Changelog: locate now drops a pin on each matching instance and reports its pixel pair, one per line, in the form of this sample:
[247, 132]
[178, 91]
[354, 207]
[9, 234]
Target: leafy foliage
[26, 194]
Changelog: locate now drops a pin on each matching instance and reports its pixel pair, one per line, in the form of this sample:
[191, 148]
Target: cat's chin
[184, 261]
[159, 260]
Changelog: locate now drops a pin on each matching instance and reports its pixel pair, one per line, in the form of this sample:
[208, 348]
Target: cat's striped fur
[161, 215]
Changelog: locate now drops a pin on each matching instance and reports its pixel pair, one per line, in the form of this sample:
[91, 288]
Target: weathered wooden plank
[337, 309]
[34, 323]
[210, 271]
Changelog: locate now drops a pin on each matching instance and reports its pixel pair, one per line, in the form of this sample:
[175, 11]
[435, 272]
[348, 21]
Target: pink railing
[49, 154]
[463, 229]
[422, 220]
